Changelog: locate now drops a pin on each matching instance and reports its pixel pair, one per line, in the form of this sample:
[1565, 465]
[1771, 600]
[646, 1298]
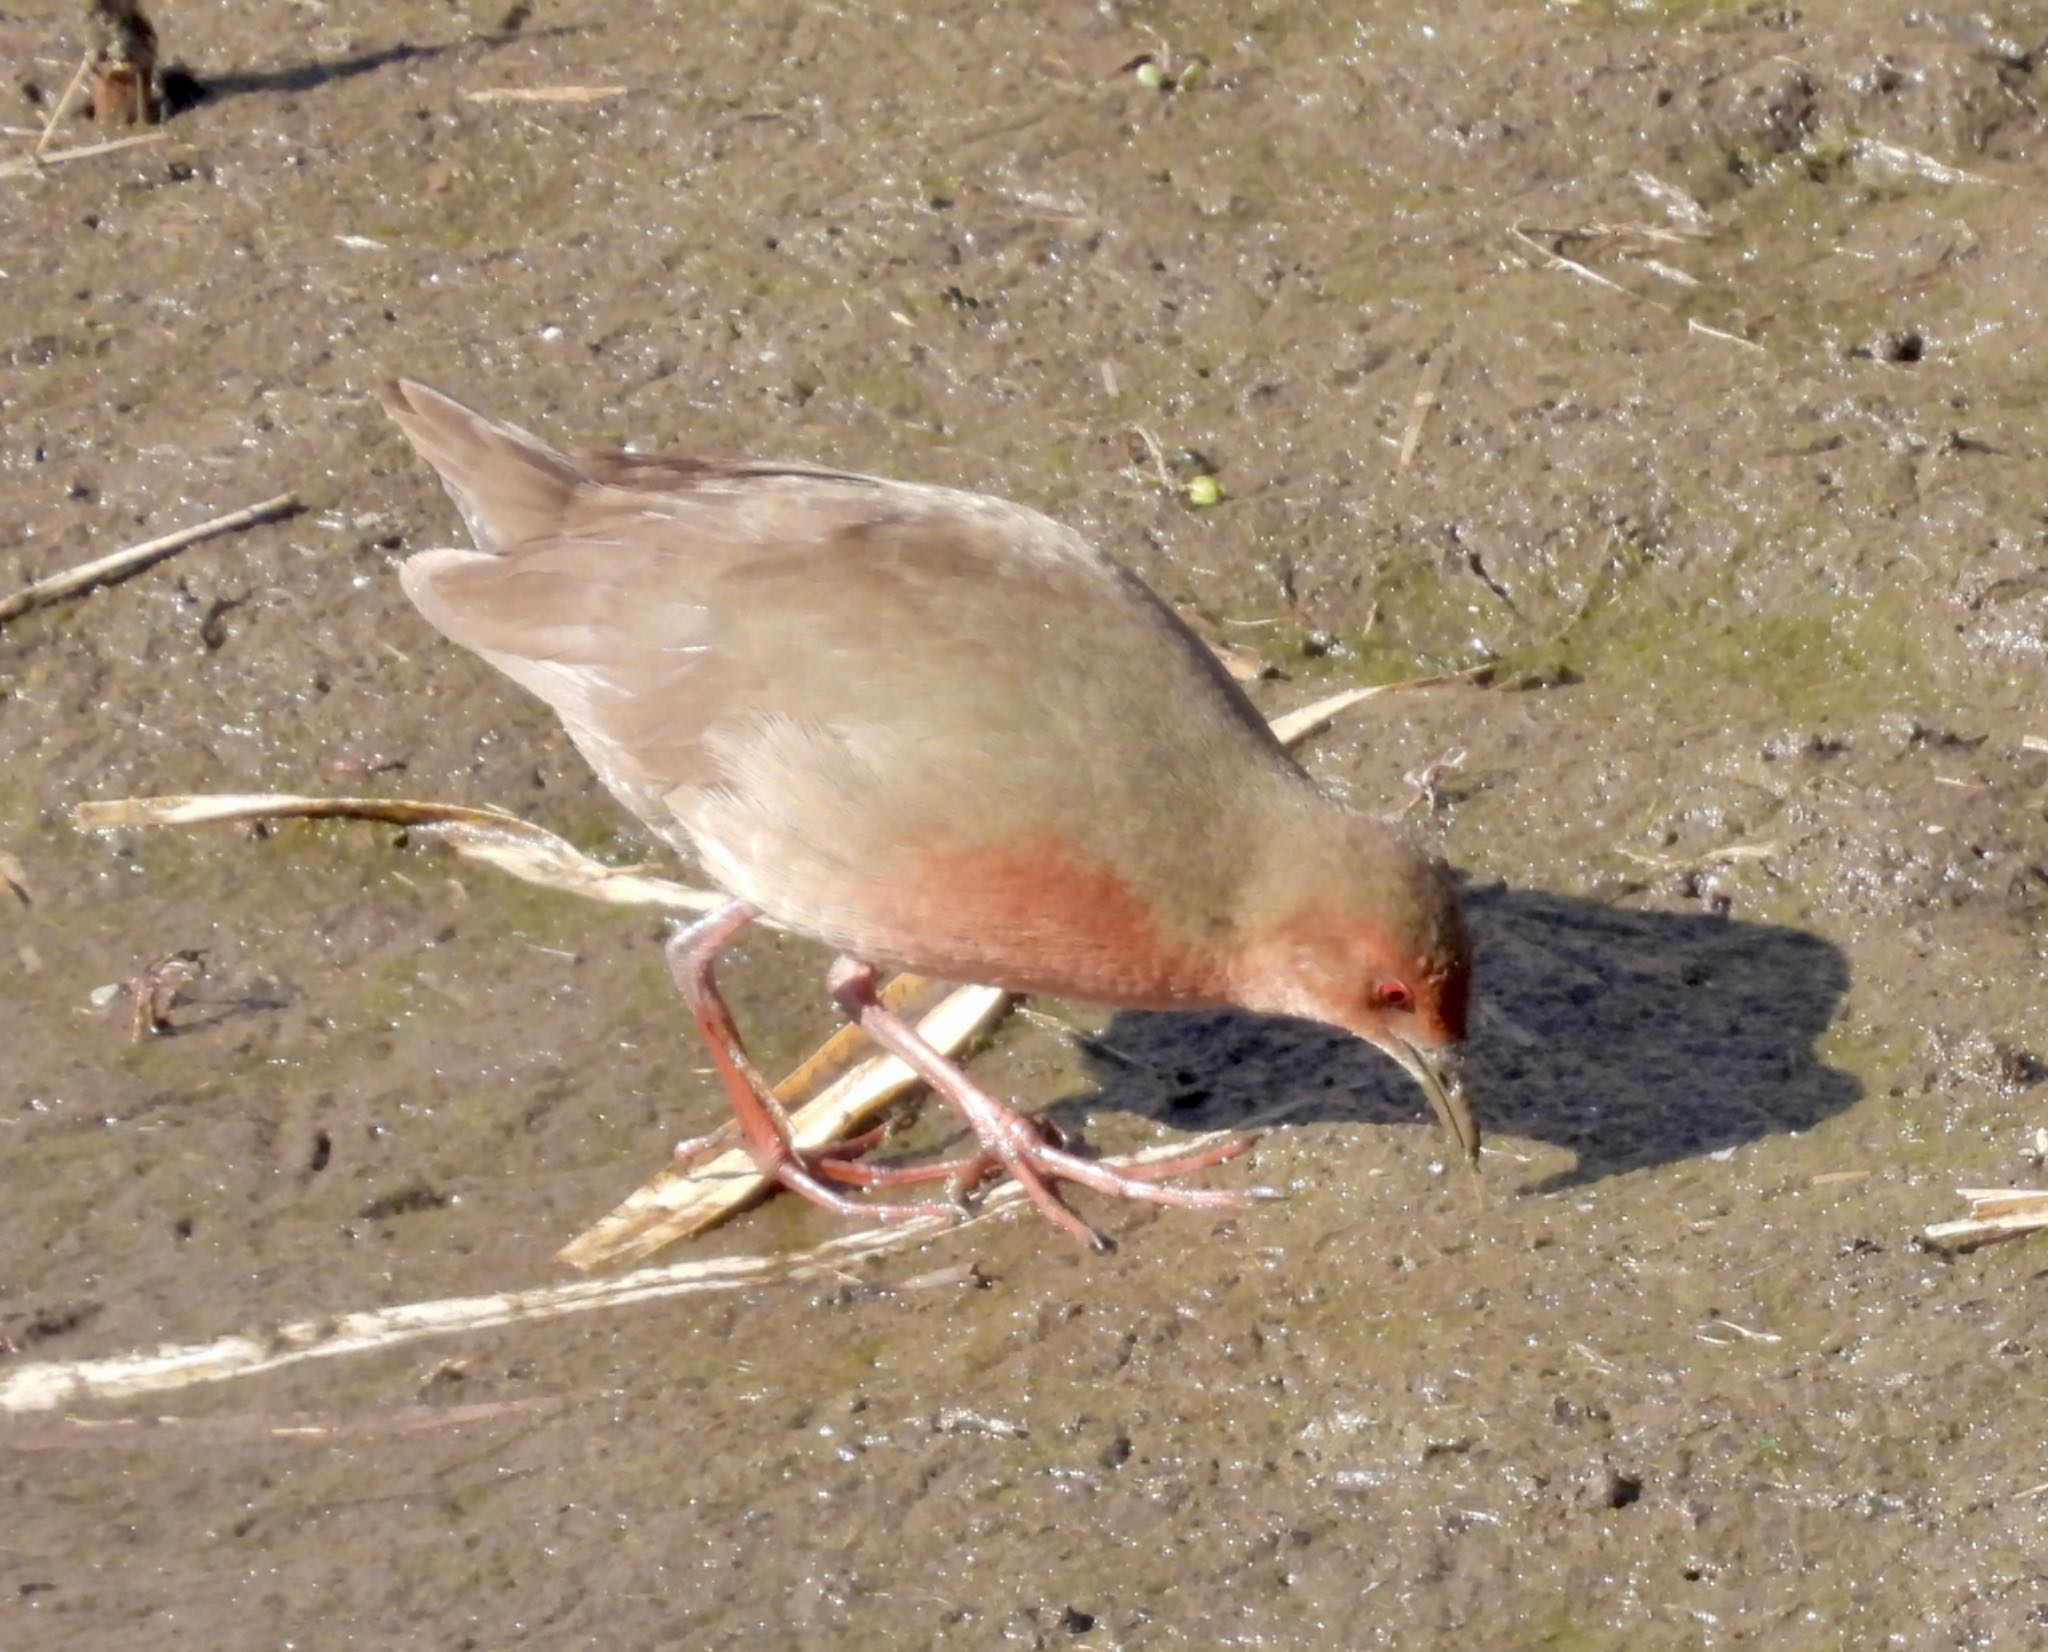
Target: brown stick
[115, 564]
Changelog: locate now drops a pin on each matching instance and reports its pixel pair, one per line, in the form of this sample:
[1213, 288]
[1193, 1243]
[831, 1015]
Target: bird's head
[1380, 949]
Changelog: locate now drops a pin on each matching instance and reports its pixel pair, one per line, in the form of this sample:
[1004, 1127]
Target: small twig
[63, 107]
[1597, 1361]
[128, 1433]
[1425, 398]
[545, 94]
[1670, 272]
[115, 564]
[1695, 325]
[1298, 725]
[1742, 1331]
[1623, 239]
[1158, 457]
[54, 157]
[1558, 260]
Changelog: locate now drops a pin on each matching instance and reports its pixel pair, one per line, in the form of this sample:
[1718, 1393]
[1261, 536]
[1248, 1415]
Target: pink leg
[1012, 1141]
[763, 1125]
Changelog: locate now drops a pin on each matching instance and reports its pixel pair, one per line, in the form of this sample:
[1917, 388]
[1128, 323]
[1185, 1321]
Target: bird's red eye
[1395, 996]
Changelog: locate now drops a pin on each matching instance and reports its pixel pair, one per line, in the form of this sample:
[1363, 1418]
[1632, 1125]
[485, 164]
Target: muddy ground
[1748, 499]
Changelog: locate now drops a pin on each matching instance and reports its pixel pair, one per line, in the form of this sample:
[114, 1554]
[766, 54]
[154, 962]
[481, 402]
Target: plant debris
[104, 570]
[1995, 1213]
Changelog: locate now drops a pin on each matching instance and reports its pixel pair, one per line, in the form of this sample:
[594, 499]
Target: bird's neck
[1307, 894]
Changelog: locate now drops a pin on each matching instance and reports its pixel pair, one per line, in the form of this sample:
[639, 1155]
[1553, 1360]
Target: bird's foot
[1013, 1142]
[1036, 1157]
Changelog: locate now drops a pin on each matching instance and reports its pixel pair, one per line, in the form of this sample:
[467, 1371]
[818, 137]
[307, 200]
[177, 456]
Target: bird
[932, 730]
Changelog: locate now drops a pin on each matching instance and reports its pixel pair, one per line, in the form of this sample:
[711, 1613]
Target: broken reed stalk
[1995, 1213]
[46, 1385]
[118, 564]
[529, 852]
[54, 157]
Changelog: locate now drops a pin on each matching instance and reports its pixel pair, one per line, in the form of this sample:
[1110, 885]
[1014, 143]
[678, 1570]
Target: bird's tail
[509, 485]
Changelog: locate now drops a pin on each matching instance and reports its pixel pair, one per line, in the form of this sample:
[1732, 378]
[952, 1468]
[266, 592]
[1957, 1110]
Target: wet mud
[1687, 361]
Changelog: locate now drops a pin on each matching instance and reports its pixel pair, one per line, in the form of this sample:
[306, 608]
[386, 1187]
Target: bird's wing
[806, 675]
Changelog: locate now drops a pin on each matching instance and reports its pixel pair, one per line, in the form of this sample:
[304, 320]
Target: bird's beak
[1438, 1072]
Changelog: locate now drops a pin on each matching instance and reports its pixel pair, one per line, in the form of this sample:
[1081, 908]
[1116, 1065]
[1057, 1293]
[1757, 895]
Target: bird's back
[870, 707]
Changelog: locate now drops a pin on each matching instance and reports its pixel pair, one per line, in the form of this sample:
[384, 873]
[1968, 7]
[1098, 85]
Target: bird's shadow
[187, 88]
[1632, 1038]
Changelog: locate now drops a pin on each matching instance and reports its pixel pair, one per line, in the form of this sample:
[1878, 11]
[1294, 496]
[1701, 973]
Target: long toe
[811, 1175]
[1143, 1182]
[1039, 1165]
[833, 1166]
[1184, 1164]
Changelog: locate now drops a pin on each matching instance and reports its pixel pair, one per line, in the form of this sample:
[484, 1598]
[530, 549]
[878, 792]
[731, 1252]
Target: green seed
[1204, 491]
[1151, 75]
